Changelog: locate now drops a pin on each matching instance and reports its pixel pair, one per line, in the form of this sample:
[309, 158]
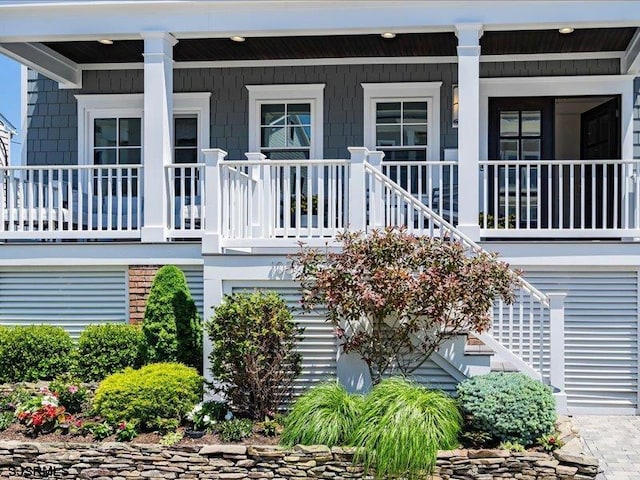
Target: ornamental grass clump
[326, 414]
[508, 407]
[402, 427]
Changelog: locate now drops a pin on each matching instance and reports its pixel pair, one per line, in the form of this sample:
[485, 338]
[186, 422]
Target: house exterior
[216, 135]
[7, 132]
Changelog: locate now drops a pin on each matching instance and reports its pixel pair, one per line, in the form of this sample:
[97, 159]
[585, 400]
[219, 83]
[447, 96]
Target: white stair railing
[522, 331]
[185, 185]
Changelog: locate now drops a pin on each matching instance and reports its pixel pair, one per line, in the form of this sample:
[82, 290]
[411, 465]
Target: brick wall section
[140, 279]
[52, 134]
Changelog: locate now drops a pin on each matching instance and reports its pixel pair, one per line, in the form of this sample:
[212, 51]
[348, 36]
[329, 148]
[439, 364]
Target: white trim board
[560, 86]
[430, 91]
[294, 62]
[90, 106]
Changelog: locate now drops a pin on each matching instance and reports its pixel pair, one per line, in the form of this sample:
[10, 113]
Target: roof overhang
[58, 38]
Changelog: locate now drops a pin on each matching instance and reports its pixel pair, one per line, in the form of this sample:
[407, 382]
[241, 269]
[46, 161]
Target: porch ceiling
[336, 46]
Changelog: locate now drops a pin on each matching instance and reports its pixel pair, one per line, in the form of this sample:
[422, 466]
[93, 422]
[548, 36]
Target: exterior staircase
[526, 336]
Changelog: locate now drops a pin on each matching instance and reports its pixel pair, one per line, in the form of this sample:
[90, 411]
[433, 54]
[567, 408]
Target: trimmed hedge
[156, 397]
[172, 324]
[107, 349]
[33, 352]
[510, 407]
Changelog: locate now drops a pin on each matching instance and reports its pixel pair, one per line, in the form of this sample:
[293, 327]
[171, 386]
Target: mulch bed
[16, 432]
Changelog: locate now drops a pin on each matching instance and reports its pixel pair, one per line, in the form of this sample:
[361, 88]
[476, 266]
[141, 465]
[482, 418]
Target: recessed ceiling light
[388, 35]
[566, 30]
[106, 41]
[237, 38]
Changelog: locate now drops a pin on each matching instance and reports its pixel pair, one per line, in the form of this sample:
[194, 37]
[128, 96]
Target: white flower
[206, 419]
[228, 416]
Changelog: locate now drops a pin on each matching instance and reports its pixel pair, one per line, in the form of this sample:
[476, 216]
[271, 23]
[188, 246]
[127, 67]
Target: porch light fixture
[456, 105]
[565, 30]
[237, 38]
[105, 41]
[388, 35]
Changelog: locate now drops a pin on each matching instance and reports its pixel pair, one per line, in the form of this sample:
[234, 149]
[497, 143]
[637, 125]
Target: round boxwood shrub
[509, 407]
[33, 352]
[156, 397]
[109, 348]
[172, 324]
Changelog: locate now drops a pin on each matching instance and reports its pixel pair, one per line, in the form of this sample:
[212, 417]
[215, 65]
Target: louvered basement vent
[68, 297]
[601, 320]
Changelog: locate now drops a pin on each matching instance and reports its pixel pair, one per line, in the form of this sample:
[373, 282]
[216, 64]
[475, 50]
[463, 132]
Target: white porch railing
[185, 185]
[434, 183]
[560, 198]
[280, 199]
[71, 202]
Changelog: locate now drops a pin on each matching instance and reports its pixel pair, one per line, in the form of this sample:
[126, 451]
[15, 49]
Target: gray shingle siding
[53, 125]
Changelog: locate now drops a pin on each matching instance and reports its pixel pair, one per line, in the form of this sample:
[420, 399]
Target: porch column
[469, 128]
[157, 131]
[556, 349]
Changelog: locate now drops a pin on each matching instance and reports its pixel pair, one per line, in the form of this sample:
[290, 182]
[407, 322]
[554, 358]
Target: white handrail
[185, 186]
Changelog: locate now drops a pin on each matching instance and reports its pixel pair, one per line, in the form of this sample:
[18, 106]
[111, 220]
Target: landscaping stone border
[121, 461]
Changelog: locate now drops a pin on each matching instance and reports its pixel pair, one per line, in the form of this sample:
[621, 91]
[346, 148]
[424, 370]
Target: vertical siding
[601, 335]
[68, 297]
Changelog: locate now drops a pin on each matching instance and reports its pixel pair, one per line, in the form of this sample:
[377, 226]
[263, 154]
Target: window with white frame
[110, 128]
[403, 120]
[285, 121]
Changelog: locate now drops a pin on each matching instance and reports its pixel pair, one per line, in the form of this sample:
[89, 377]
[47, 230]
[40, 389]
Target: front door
[520, 135]
[600, 140]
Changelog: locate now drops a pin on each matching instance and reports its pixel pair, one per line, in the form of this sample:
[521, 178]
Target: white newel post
[357, 188]
[557, 347]
[212, 203]
[469, 128]
[260, 195]
[157, 131]
[376, 192]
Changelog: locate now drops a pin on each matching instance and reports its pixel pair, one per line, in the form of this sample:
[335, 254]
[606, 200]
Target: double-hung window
[403, 121]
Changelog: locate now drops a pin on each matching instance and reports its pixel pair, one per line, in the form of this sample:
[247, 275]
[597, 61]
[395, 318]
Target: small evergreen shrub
[34, 352]
[324, 415]
[254, 357]
[109, 348]
[156, 397]
[235, 430]
[172, 325]
[510, 407]
[402, 427]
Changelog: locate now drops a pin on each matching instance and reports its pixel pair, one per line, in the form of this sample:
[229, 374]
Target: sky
[10, 99]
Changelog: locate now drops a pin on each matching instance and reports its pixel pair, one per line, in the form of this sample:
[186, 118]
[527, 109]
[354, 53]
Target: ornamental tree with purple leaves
[393, 298]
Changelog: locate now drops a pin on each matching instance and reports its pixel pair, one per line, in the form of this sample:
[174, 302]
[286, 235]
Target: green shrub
[172, 325]
[157, 396]
[109, 348]
[6, 419]
[34, 352]
[508, 407]
[254, 356]
[235, 430]
[70, 392]
[402, 427]
[326, 414]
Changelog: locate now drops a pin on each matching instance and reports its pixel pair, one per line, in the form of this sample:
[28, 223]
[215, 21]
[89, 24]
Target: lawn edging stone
[122, 461]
